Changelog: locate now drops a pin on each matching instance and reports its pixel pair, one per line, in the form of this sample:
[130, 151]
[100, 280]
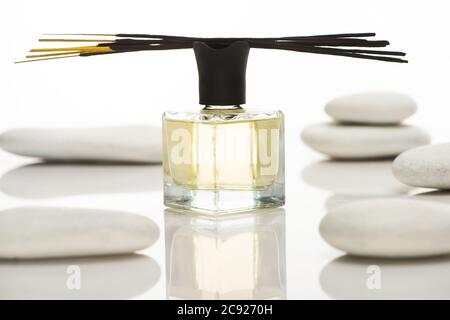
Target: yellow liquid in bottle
[221, 153]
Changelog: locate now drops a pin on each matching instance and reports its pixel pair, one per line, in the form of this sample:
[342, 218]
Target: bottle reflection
[228, 258]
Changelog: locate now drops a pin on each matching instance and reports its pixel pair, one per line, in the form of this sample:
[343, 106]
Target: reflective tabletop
[264, 254]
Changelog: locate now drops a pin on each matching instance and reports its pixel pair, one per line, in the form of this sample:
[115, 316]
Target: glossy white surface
[275, 255]
[133, 89]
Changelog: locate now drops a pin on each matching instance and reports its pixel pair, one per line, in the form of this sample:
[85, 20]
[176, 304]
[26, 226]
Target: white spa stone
[50, 232]
[121, 144]
[427, 166]
[363, 142]
[390, 228]
[371, 108]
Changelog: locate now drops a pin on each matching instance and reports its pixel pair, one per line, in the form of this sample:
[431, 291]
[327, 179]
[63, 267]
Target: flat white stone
[363, 142]
[391, 228]
[121, 144]
[371, 108]
[427, 167]
[45, 232]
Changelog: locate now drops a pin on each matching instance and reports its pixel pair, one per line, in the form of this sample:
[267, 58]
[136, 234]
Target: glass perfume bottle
[223, 159]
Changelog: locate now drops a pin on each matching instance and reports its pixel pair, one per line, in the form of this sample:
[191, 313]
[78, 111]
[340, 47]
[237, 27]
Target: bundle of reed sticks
[354, 45]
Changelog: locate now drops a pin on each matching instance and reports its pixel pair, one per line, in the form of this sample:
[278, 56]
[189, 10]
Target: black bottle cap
[221, 72]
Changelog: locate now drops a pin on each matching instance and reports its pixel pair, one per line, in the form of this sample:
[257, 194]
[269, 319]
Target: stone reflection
[113, 277]
[350, 181]
[52, 180]
[353, 278]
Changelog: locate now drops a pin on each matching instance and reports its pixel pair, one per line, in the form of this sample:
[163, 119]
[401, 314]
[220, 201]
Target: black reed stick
[352, 45]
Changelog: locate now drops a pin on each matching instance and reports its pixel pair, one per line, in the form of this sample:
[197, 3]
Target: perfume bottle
[224, 158]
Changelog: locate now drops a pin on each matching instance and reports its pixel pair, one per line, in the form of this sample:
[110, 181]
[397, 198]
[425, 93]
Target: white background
[135, 88]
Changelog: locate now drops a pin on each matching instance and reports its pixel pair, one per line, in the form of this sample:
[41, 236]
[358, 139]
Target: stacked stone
[369, 126]
[366, 126]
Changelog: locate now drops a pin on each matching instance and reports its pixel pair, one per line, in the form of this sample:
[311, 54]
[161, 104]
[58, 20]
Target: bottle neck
[223, 108]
